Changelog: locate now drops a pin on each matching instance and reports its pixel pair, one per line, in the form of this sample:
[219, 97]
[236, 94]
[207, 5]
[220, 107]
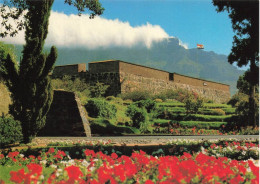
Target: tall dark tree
[245, 50]
[30, 84]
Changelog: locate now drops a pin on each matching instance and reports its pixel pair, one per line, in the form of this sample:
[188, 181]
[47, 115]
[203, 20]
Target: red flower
[114, 156]
[236, 179]
[17, 176]
[74, 172]
[149, 182]
[89, 153]
[34, 169]
[2, 156]
[13, 154]
[31, 156]
[51, 150]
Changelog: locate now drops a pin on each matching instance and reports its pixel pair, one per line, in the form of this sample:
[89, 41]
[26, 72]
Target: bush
[149, 104]
[98, 90]
[218, 112]
[110, 98]
[10, 131]
[100, 108]
[136, 95]
[105, 127]
[137, 115]
[192, 104]
[69, 84]
[158, 100]
[236, 98]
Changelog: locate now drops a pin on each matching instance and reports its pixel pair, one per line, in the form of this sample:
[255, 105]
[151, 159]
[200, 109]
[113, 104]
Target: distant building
[123, 77]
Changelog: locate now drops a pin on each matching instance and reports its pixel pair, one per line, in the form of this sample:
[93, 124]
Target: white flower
[43, 162]
[53, 166]
[21, 155]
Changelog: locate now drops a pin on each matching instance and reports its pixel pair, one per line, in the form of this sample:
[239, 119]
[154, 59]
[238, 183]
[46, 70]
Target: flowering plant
[138, 168]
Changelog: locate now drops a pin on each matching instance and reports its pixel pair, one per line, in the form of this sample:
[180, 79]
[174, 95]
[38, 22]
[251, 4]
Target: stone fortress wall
[125, 77]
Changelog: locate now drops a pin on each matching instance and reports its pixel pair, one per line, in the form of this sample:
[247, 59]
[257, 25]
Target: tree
[245, 50]
[29, 83]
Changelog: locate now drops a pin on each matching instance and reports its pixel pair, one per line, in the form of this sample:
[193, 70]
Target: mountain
[166, 55]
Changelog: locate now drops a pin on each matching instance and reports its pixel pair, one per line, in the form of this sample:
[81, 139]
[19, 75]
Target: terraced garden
[166, 118]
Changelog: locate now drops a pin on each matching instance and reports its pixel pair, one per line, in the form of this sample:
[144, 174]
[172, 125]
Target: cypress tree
[30, 84]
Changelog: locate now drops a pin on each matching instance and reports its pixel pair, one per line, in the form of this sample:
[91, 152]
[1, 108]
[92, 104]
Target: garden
[179, 161]
[171, 113]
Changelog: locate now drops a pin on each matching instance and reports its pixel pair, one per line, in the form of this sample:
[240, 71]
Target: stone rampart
[108, 78]
[182, 79]
[130, 82]
[71, 70]
[123, 77]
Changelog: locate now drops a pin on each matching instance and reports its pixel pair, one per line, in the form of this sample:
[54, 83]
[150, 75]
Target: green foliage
[243, 110]
[245, 49]
[192, 104]
[10, 131]
[98, 90]
[148, 104]
[101, 127]
[5, 99]
[30, 85]
[110, 98]
[138, 115]
[136, 95]
[69, 84]
[191, 124]
[78, 85]
[201, 124]
[158, 100]
[100, 108]
[229, 110]
[218, 112]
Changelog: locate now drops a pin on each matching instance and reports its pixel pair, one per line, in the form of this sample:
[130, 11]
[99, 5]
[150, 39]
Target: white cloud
[80, 31]
[184, 45]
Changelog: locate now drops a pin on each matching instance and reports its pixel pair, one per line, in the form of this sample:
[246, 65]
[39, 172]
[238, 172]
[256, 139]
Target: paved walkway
[143, 139]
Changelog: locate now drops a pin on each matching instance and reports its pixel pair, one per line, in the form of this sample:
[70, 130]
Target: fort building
[123, 77]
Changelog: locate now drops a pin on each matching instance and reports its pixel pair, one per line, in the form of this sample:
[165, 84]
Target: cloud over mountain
[80, 31]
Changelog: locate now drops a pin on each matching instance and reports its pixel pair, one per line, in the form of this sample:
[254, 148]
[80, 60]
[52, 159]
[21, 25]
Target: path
[143, 139]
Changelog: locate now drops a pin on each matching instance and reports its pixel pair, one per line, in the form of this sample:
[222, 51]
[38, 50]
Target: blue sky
[192, 21]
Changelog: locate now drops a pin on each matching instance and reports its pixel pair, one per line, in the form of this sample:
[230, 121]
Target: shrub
[218, 112]
[192, 104]
[137, 115]
[100, 108]
[160, 112]
[149, 104]
[69, 84]
[158, 100]
[98, 90]
[110, 98]
[10, 131]
[136, 95]
[102, 127]
[236, 98]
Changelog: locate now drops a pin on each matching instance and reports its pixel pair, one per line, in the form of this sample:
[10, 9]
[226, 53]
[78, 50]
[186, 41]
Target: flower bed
[56, 166]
